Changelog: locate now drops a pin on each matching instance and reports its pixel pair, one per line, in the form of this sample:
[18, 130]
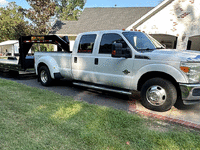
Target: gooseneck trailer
[25, 62]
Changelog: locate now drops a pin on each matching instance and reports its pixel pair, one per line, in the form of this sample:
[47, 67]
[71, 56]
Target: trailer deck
[11, 63]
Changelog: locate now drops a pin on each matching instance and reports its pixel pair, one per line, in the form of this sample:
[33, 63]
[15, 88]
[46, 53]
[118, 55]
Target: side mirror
[118, 51]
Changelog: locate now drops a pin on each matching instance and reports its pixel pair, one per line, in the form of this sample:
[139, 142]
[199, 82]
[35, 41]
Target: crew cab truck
[125, 61]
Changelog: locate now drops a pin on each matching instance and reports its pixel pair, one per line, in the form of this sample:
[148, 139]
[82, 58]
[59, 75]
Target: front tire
[44, 76]
[158, 94]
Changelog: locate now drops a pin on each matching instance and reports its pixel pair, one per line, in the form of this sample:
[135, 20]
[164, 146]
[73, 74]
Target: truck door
[112, 71]
[82, 59]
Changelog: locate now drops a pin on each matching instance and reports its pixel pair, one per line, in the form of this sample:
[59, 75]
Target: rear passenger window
[86, 43]
[107, 41]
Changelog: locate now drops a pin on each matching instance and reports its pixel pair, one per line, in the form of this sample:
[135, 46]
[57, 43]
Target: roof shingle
[94, 19]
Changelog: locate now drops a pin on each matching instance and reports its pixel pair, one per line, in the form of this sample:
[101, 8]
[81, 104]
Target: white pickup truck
[126, 61]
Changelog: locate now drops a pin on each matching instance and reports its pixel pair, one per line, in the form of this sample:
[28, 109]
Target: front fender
[179, 76]
[50, 63]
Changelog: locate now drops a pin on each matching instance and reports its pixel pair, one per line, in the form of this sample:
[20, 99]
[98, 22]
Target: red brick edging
[132, 108]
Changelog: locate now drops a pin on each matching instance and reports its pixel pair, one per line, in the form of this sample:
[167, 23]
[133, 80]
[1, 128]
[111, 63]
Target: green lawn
[31, 119]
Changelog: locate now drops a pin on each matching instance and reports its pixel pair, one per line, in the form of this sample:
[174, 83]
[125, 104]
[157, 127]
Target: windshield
[141, 41]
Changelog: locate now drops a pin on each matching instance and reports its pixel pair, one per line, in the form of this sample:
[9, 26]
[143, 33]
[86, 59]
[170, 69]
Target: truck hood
[173, 55]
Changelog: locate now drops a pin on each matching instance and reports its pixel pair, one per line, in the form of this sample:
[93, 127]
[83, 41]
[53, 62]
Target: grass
[31, 118]
[2, 57]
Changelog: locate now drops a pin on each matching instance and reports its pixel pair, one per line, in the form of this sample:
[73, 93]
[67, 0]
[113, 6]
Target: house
[174, 23]
[10, 47]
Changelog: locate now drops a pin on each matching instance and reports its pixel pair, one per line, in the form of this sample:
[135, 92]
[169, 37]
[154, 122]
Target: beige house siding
[179, 18]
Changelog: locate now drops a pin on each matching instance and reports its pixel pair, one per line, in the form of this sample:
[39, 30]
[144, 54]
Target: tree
[40, 13]
[12, 24]
[69, 9]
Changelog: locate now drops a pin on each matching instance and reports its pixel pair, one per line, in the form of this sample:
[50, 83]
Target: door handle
[96, 61]
[75, 59]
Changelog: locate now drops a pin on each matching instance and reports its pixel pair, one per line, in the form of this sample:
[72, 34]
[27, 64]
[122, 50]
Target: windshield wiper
[146, 49]
[160, 48]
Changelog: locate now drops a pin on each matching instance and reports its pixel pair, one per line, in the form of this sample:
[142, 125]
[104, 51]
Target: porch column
[12, 53]
[182, 42]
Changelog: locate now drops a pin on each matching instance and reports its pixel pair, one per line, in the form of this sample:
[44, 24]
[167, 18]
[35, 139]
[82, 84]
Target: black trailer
[25, 62]
[12, 64]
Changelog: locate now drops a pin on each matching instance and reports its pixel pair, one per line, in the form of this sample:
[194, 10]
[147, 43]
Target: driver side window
[107, 41]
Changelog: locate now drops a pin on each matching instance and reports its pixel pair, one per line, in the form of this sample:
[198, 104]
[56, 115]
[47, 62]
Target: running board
[102, 88]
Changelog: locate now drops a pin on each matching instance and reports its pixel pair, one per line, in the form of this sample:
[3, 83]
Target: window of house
[107, 41]
[86, 43]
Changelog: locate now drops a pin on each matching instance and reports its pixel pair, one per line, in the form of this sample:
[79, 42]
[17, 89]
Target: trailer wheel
[44, 76]
[158, 94]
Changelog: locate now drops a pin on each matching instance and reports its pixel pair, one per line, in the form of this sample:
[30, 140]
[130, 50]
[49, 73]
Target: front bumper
[190, 93]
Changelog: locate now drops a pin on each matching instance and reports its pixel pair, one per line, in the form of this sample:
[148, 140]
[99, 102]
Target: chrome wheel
[156, 95]
[43, 76]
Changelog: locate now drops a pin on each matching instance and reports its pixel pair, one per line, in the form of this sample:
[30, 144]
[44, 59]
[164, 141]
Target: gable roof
[10, 42]
[64, 27]
[151, 13]
[94, 19]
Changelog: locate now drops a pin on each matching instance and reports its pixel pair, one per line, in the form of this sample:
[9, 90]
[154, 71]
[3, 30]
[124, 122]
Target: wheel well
[40, 65]
[162, 75]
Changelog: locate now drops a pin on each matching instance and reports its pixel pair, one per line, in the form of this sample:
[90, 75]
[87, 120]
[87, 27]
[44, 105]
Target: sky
[99, 3]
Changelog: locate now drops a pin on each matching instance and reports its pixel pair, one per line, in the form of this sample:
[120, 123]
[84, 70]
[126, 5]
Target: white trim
[10, 42]
[150, 14]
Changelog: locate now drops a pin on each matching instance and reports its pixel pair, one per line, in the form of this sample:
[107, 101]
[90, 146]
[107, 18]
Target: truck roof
[107, 31]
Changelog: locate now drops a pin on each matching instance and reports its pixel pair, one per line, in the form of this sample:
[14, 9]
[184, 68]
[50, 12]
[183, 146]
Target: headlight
[192, 70]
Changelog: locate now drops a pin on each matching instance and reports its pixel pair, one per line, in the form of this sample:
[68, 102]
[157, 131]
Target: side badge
[126, 72]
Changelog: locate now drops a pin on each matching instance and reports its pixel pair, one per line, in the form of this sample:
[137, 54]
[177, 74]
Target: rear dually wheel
[44, 76]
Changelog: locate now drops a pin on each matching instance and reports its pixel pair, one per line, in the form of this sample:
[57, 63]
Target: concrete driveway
[189, 117]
